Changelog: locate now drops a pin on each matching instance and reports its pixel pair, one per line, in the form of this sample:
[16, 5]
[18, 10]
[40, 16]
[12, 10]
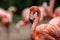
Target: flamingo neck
[35, 23]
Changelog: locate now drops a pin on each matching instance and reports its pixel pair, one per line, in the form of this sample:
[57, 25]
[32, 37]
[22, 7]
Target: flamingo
[6, 16]
[57, 12]
[34, 29]
[46, 32]
[50, 31]
[55, 21]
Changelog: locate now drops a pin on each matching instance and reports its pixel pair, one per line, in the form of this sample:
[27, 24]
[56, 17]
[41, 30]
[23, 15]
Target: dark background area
[21, 4]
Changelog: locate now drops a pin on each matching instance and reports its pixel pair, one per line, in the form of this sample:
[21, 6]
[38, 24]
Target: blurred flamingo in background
[57, 12]
[6, 16]
[44, 9]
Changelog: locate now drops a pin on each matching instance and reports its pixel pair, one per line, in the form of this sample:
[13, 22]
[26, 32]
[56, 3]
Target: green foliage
[17, 18]
[6, 3]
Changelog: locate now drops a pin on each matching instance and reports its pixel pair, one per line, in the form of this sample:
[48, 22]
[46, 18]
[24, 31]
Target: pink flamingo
[6, 16]
[57, 12]
[55, 21]
[50, 31]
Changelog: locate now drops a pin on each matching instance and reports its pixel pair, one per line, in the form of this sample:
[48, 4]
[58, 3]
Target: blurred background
[21, 4]
[24, 33]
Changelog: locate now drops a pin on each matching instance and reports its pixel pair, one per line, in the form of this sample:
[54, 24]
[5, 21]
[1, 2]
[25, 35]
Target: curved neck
[36, 21]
